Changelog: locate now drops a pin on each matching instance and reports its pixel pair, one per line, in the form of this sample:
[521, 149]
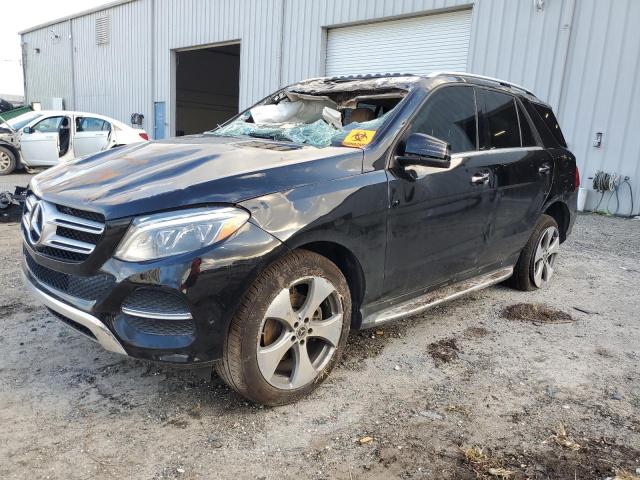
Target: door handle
[544, 169]
[480, 178]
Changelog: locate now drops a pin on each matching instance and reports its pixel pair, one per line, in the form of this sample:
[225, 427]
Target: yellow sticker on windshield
[358, 138]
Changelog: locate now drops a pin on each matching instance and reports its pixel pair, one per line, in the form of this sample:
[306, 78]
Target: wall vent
[102, 31]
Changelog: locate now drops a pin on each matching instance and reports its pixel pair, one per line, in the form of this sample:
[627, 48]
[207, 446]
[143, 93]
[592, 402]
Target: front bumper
[210, 284]
[83, 322]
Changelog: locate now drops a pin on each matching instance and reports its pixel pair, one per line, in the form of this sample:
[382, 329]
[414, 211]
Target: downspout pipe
[571, 9]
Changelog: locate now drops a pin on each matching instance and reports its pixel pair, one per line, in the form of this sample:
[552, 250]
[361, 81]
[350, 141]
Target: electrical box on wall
[597, 141]
[137, 119]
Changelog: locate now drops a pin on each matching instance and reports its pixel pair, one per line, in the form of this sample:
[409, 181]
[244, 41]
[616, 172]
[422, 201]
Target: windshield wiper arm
[270, 136]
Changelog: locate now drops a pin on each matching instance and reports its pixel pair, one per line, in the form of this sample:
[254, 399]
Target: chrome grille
[74, 212]
[59, 231]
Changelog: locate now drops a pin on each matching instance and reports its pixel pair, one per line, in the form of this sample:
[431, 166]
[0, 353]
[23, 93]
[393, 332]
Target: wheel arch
[559, 211]
[350, 267]
[12, 148]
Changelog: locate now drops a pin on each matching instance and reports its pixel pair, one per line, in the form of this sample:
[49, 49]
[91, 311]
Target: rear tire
[289, 331]
[7, 161]
[537, 260]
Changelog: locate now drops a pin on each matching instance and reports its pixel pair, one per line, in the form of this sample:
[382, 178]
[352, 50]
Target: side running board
[431, 299]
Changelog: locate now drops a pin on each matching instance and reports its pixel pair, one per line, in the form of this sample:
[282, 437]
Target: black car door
[523, 169]
[438, 217]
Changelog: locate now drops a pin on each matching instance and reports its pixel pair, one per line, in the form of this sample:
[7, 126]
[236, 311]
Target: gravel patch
[392, 409]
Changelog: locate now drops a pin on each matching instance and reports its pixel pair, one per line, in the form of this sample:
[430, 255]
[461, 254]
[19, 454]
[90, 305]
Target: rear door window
[552, 124]
[498, 120]
[90, 124]
[450, 115]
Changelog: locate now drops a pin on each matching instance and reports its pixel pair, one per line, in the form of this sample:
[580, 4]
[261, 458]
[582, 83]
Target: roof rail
[367, 76]
[483, 77]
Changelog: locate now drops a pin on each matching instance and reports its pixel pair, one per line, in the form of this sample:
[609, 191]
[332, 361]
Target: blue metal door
[159, 120]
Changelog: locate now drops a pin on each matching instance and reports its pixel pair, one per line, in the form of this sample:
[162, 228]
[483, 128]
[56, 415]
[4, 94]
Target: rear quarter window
[551, 122]
[549, 140]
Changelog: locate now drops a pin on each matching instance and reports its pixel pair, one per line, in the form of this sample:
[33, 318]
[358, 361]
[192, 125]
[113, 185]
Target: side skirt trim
[436, 297]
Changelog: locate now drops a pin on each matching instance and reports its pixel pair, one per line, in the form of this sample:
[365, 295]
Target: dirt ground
[472, 389]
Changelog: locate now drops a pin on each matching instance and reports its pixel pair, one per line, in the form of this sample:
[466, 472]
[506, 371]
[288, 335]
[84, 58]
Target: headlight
[171, 233]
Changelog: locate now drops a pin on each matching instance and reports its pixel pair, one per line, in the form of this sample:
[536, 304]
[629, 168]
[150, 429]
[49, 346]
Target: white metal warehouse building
[187, 65]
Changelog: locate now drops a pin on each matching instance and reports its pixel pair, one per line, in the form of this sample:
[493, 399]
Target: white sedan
[46, 138]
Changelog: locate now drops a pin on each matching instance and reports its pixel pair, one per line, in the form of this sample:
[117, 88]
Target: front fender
[350, 212]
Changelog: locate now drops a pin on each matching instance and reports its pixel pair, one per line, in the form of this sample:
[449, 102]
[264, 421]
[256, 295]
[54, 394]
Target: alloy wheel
[545, 256]
[300, 332]
[5, 161]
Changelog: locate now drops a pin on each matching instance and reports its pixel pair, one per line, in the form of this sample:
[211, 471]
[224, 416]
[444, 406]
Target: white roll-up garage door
[410, 45]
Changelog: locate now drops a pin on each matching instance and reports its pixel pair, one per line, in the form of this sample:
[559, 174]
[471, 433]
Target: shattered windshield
[322, 112]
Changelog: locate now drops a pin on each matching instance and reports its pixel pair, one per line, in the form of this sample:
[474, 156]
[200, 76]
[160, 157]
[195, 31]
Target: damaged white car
[46, 138]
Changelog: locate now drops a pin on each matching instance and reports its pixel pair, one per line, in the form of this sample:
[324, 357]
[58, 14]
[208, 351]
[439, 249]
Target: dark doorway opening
[207, 87]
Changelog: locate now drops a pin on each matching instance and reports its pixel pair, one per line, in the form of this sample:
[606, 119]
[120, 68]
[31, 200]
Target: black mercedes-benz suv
[333, 204]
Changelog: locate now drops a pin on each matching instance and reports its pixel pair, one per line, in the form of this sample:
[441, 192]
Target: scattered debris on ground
[536, 313]
[624, 475]
[459, 409]
[485, 466]
[476, 332]
[11, 215]
[584, 310]
[9, 308]
[475, 455]
[71, 410]
[444, 351]
[365, 344]
[564, 440]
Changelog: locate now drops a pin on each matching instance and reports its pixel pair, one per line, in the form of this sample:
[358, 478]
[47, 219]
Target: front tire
[536, 264]
[7, 161]
[289, 331]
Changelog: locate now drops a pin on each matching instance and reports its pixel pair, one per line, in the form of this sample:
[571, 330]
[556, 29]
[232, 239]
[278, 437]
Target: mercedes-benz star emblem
[42, 224]
[36, 221]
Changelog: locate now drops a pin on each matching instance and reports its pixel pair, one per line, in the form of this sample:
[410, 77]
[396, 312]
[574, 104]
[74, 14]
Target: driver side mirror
[425, 150]
[27, 130]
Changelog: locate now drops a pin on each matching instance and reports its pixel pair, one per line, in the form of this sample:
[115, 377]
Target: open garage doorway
[207, 87]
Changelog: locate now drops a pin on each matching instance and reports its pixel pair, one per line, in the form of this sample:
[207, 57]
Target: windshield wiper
[270, 136]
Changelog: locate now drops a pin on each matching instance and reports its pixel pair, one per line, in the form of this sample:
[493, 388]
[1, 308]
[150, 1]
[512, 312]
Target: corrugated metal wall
[49, 72]
[579, 55]
[115, 79]
[601, 93]
[521, 43]
[257, 24]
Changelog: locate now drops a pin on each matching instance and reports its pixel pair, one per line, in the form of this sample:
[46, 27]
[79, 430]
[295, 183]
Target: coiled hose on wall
[604, 182]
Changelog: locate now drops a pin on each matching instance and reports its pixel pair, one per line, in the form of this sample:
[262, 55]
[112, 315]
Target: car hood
[162, 175]
[7, 135]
